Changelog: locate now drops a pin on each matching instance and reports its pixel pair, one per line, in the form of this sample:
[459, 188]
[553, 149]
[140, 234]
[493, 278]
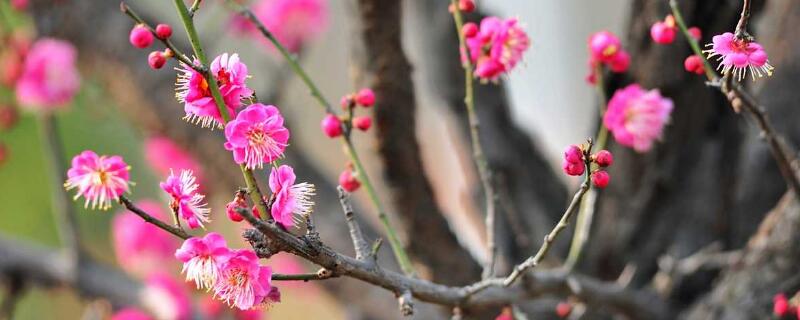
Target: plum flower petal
[292, 201]
[141, 247]
[257, 136]
[193, 90]
[497, 47]
[49, 77]
[738, 56]
[99, 179]
[243, 283]
[637, 117]
[186, 200]
[203, 258]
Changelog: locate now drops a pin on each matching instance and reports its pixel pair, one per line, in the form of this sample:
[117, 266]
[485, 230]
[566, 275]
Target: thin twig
[399, 251]
[741, 26]
[484, 171]
[359, 243]
[305, 277]
[742, 100]
[195, 6]
[178, 54]
[406, 303]
[150, 219]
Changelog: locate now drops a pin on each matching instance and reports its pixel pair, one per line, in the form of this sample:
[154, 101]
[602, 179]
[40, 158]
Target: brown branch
[359, 243]
[741, 26]
[150, 219]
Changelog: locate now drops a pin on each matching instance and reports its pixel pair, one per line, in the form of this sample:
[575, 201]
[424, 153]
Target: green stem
[477, 149]
[397, 247]
[194, 39]
[583, 225]
[676, 13]
[394, 241]
[252, 186]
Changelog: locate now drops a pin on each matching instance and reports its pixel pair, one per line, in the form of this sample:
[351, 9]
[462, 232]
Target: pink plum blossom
[257, 136]
[141, 247]
[162, 154]
[203, 258]
[99, 179]
[243, 283]
[606, 49]
[292, 201]
[49, 78]
[293, 22]
[637, 117]
[186, 200]
[166, 297]
[194, 92]
[130, 314]
[739, 56]
[497, 47]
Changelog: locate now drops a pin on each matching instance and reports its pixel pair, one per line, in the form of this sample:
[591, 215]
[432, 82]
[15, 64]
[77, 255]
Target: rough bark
[430, 240]
[768, 267]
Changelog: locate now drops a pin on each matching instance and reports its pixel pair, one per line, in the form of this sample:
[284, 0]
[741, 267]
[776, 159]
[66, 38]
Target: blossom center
[223, 77]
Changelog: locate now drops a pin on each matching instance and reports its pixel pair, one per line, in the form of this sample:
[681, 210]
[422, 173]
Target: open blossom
[497, 47]
[195, 94]
[49, 78]
[606, 49]
[162, 154]
[203, 258]
[739, 56]
[293, 22]
[141, 247]
[99, 179]
[243, 283]
[257, 136]
[637, 117]
[186, 201]
[166, 297]
[292, 201]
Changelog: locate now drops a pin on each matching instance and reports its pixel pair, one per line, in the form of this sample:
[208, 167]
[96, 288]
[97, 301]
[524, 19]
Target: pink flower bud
[563, 309]
[231, 209]
[163, 31]
[362, 123]
[156, 60]
[140, 37]
[603, 158]
[603, 45]
[600, 178]
[573, 154]
[365, 97]
[694, 64]
[620, 62]
[573, 169]
[466, 5]
[662, 33]
[780, 305]
[349, 182]
[695, 32]
[332, 126]
[346, 102]
[470, 29]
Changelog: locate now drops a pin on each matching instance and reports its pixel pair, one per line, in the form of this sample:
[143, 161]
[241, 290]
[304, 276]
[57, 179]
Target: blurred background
[710, 181]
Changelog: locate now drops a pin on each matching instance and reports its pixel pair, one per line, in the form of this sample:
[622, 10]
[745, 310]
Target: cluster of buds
[463, 6]
[334, 126]
[606, 49]
[142, 37]
[784, 308]
[577, 158]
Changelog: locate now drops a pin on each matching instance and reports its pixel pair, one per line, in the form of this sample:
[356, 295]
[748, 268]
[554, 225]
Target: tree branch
[359, 243]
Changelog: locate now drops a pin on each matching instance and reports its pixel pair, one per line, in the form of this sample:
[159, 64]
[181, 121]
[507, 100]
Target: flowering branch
[178, 232]
[484, 171]
[740, 99]
[397, 247]
[178, 54]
